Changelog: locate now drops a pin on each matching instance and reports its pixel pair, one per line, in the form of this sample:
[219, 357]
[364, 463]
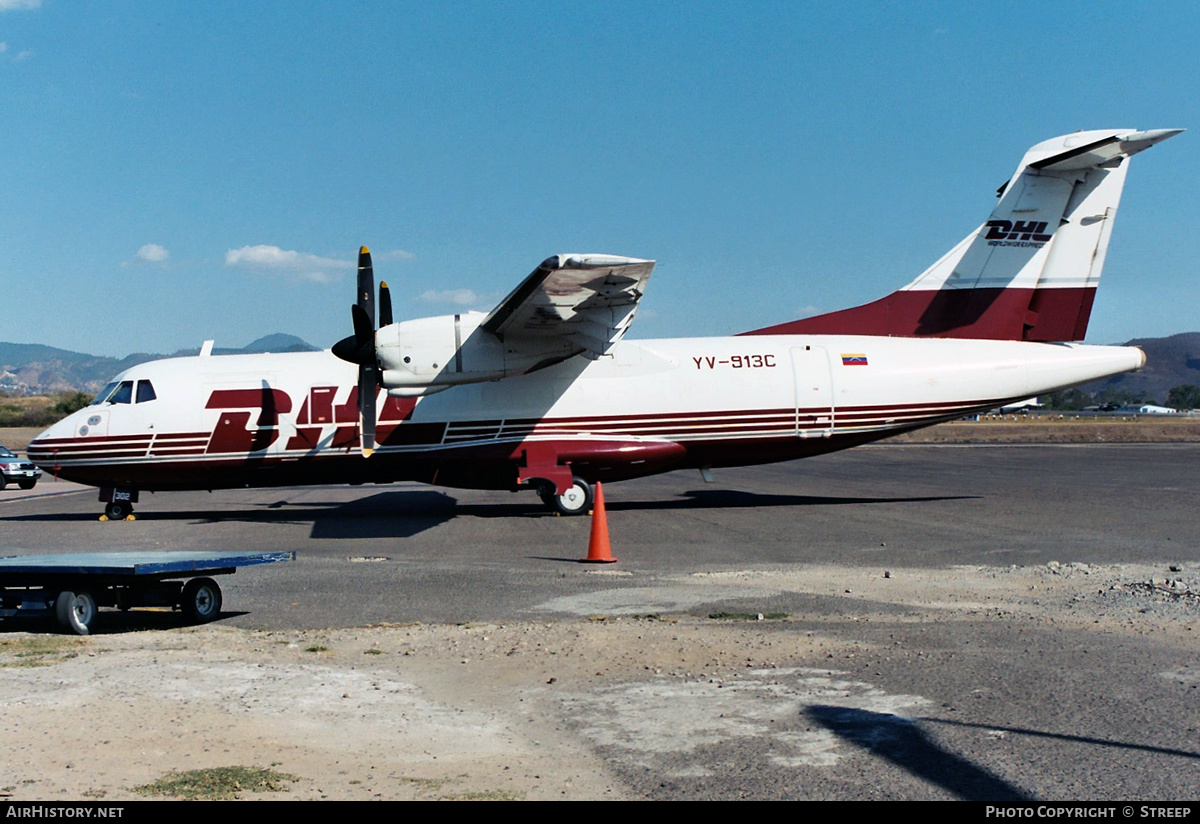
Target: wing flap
[586, 301]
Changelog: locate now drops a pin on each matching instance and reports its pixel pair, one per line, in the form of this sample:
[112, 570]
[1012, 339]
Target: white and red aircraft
[544, 393]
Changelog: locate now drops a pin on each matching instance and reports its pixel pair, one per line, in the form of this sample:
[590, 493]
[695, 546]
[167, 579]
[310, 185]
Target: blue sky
[180, 171]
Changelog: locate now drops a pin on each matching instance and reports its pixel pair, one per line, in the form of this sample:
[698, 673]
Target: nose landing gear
[118, 511]
[118, 504]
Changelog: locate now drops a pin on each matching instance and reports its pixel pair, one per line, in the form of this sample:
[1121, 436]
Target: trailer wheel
[75, 611]
[201, 600]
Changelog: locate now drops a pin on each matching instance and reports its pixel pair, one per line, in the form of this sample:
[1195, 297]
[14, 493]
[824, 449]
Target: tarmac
[990, 623]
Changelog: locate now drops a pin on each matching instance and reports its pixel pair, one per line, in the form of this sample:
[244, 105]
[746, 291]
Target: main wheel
[75, 611]
[575, 501]
[118, 510]
[201, 600]
[27, 484]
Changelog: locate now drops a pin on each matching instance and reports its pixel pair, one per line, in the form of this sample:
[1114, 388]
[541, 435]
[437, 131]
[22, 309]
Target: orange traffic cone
[598, 548]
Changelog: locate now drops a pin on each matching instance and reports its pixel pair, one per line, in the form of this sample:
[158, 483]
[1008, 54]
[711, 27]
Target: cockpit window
[123, 393]
[103, 396]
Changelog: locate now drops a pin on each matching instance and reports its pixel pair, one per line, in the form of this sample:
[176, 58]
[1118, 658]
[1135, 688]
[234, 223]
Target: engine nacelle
[426, 355]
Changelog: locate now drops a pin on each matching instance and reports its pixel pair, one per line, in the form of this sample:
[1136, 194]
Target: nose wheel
[575, 501]
[118, 510]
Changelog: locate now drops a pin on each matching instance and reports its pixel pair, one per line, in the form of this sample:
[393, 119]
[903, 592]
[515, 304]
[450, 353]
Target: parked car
[17, 469]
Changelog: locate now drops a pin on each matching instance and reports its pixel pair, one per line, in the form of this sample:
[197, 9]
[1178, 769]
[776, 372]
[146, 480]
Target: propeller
[359, 348]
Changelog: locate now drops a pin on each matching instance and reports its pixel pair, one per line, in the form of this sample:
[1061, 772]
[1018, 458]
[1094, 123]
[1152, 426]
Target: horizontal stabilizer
[1103, 151]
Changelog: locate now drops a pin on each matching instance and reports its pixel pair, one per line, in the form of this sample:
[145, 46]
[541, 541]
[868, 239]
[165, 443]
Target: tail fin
[1030, 272]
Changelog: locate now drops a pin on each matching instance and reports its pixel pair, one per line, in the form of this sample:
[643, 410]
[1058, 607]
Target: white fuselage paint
[692, 391]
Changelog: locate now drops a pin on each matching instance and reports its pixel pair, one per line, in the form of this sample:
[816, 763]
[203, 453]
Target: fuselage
[646, 407]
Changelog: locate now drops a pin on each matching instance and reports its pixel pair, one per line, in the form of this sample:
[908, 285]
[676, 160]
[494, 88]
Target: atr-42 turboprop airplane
[544, 393]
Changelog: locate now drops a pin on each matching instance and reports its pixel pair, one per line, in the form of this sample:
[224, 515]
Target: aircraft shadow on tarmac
[905, 744]
[1079, 739]
[902, 742]
[405, 513]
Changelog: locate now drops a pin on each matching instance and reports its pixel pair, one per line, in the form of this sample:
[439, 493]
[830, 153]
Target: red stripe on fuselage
[980, 314]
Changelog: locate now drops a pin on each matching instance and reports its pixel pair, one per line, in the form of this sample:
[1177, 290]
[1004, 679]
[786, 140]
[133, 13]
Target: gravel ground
[601, 708]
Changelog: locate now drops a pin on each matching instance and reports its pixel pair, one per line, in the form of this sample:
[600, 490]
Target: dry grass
[218, 783]
[38, 650]
[1055, 428]
[17, 438]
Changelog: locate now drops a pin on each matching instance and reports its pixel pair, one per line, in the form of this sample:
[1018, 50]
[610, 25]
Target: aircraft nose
[39, 448]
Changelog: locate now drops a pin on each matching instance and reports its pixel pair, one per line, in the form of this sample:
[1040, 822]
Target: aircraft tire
[118, 510]
[576, 501]
[75, 611]
[201, 600]
[27, 484]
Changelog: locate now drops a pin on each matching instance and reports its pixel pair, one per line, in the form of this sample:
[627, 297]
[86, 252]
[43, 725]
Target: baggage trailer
[73, 586]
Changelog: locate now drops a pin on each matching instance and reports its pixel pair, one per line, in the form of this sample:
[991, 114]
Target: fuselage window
[145, 392]
[123, 393]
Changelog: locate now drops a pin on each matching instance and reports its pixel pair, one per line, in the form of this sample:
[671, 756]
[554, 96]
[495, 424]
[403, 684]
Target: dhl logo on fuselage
[233, 434]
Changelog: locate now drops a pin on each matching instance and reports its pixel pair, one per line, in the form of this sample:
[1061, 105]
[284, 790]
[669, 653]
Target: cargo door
[813, 379]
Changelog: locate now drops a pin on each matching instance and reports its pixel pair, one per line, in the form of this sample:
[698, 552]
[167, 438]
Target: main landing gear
[575, 501]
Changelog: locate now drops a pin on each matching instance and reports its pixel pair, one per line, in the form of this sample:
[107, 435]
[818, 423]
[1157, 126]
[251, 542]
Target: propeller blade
[368, 387]
[366, 285]
[360, 347]
[385, 304]
[363, 313]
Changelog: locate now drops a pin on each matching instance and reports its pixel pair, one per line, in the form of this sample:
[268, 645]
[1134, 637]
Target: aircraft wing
[583, 303]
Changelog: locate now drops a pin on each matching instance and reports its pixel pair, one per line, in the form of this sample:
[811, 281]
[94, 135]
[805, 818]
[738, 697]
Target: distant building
[1151, 409]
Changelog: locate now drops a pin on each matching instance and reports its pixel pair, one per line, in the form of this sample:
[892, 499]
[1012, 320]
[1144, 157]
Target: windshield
[104, 393]
[115, 393]
[123, 394]
[4, 453]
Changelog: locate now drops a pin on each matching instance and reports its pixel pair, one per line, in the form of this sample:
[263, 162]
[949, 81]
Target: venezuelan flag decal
[854, 359]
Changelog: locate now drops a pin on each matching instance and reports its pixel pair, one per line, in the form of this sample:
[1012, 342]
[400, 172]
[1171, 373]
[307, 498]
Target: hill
[35, 369]
[1170, 362]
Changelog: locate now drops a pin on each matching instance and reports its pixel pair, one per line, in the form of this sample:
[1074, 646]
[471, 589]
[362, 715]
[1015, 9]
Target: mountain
[35, 369]
[279, 343]
[1170, 362]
